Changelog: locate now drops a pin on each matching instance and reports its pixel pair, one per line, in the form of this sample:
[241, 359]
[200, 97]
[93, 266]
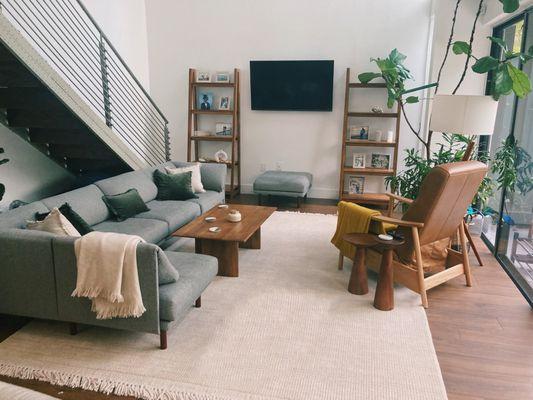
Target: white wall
[124, 23]
[216, 35]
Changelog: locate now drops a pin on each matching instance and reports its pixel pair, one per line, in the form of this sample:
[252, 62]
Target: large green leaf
[412, 99]
[521, 83]
[500, 42]
[485, 64]
[2, 190]
[503, 83]
[461, 48]
[510, 6]
[366, 77]
[396, 57]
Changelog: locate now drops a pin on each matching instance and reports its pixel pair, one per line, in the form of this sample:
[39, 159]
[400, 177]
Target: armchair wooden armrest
[399, 198]
[399, 222]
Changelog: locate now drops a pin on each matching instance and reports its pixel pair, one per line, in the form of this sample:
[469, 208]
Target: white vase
[390, 137]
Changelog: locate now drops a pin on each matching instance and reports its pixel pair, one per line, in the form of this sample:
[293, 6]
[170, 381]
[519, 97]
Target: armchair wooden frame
[457, 263]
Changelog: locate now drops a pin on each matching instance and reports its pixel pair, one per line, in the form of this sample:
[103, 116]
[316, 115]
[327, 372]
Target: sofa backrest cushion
[18, 217]
[213, 174]
[139, 180]
[86, 201]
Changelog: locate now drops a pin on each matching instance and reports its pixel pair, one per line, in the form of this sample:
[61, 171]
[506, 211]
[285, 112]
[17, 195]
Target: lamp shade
[466, 115]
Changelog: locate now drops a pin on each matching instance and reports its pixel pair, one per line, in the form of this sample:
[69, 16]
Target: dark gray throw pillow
[174, 187]
[125, 205]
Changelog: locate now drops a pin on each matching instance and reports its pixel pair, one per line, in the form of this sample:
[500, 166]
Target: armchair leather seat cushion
[208, 200]
[196, 273]
[175, 213]
[151, 230]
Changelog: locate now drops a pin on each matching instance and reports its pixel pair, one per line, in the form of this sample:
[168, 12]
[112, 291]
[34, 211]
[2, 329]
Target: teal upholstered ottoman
[283, 183]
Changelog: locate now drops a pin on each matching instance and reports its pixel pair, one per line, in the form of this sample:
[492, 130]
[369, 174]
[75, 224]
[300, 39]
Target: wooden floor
[483, 335]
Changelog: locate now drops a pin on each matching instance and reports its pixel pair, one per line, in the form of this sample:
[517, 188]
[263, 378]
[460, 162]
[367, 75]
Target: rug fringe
[105, 386]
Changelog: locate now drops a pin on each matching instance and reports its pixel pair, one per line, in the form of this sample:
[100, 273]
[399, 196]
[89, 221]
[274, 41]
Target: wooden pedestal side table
[384, 296]
[358, 278]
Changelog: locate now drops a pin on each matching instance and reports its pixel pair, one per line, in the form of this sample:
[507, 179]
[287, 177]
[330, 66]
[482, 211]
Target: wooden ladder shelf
[194, 113]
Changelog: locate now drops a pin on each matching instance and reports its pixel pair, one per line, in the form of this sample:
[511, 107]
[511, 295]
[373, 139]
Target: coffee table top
[252, 218]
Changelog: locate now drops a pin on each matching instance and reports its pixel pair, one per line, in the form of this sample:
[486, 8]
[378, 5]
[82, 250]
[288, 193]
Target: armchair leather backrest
[444, 196]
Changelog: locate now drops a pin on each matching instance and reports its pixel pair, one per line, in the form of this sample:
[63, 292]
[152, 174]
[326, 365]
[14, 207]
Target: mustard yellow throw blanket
[107, 274]
[354, 219]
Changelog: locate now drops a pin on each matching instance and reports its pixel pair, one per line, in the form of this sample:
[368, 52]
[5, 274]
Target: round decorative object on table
[359, 278]
[234, 216]
[384, 296]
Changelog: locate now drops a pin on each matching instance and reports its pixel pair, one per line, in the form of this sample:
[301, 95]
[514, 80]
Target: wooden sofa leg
[163, 340]
[298, 202]
[341, 261]
[198, 303]
[73, 328]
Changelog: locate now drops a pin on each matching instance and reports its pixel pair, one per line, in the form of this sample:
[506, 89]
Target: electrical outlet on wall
[279, 165]
[263, 167]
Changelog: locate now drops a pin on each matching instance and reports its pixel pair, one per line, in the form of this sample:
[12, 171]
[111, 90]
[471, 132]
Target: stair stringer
[25, 52]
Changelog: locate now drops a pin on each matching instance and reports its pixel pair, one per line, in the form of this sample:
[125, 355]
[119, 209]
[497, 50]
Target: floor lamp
[466, 115]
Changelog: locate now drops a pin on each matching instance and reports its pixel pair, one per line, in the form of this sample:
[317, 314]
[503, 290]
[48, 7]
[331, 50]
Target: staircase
[66, 90]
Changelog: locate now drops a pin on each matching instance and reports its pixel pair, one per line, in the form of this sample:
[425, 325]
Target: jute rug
[285, 329]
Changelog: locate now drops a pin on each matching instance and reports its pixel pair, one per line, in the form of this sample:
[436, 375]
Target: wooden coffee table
[225, 244]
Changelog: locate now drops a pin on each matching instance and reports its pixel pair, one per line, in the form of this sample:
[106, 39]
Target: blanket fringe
[106, 386]
[98, 292]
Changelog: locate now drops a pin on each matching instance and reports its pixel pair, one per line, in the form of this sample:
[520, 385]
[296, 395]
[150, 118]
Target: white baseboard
[318, 193]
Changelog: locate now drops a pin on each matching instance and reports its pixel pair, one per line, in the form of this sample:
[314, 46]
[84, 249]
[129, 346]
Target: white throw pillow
[196, 178]
[56, 223]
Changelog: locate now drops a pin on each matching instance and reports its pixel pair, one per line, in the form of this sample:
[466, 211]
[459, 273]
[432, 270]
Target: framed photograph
[380, 161]
[205, 101]
[222, 77]
[224, 103]
[223, 129]
[359, 160]
[203, 77]
[359, 132]
[356, 184]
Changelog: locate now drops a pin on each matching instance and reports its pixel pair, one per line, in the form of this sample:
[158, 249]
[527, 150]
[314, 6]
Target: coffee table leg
[227, 254]
[254, 242]
[358, 278]
[384, 297]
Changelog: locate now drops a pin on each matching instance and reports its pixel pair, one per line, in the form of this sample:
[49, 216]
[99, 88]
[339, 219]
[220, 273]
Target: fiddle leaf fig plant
[507, 78]
[2, 186]
[510, 6]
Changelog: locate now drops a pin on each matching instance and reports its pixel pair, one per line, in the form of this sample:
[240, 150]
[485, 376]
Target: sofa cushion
[208, 200]
[196, 272]
[174, 187]
[86, 201]
[175, 213]
[151, 230]
[165, 270]
[74, 218]
[213, 175]
[18, 217]
[139, 180]
[55, 223]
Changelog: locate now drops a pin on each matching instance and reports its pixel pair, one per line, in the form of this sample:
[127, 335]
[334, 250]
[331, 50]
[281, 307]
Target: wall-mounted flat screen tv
[292, 85]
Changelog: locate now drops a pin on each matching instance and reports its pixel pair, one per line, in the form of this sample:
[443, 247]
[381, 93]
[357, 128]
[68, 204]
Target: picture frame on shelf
[359, 160]
[358, 132]
[379, 160]
[223, 129]
[356, 184]
[224, 103]
[205, 101]
[203, 77]
[222, 77]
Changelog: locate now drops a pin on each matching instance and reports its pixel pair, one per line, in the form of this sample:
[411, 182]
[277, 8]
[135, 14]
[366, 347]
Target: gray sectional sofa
[38, 270]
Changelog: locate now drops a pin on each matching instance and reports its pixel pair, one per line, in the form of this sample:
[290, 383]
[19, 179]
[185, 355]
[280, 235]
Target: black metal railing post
[105, 82]
[167, 142]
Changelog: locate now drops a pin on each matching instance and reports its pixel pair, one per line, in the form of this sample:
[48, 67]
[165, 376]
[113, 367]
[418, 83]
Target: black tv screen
[292, 85]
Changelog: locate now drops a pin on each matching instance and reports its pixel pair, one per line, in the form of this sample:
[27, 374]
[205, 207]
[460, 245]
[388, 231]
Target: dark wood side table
[358, 278]
[384, 296]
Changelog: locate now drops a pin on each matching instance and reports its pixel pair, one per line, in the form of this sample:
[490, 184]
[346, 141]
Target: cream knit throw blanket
[107, 274]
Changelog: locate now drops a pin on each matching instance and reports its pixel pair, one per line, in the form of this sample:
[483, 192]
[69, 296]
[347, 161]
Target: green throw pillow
[125, 205]
[74, 218]
[174, 187]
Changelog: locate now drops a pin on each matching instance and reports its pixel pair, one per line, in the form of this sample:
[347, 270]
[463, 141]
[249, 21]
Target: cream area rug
[286, 328]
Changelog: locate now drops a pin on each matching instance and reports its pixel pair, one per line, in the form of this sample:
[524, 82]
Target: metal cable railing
[66, 35]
